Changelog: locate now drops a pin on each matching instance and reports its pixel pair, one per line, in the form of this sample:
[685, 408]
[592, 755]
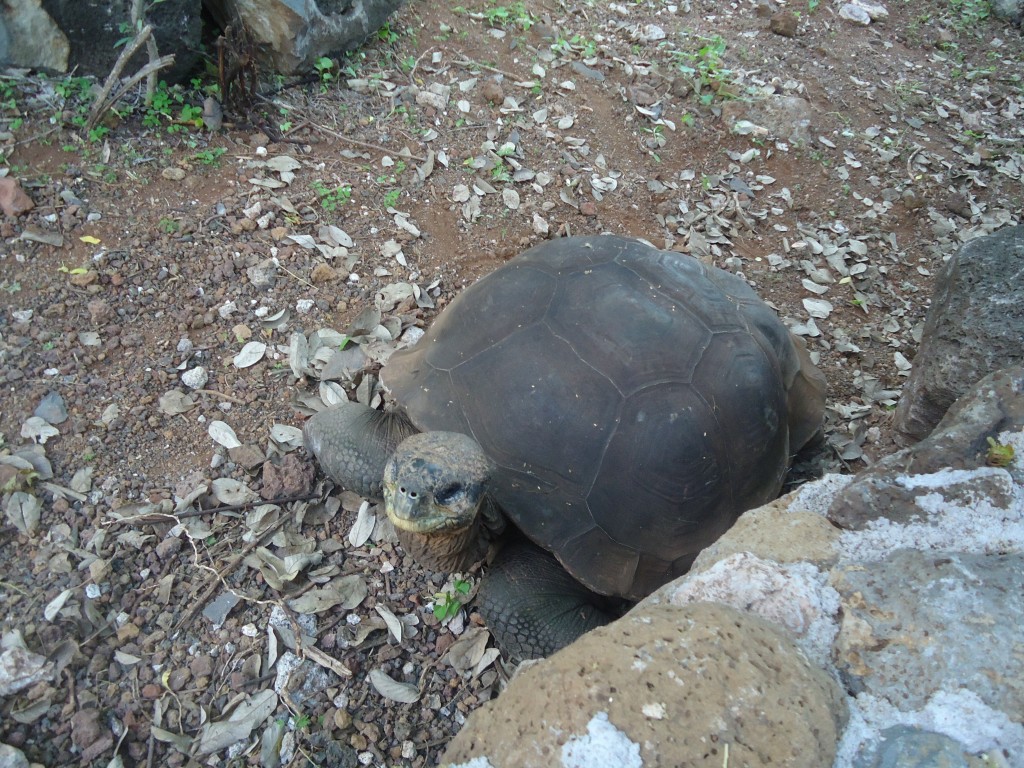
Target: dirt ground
[834, 165]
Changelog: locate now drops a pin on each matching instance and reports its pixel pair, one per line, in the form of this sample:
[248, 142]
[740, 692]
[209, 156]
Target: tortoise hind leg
[352, 443]
[533, 607]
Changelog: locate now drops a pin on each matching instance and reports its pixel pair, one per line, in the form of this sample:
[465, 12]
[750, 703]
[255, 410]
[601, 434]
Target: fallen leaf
[277, 571]
[466, 652]
[38, 429]
[393, 622]
[175, 402]
[223, 434]
[250, 354]
[23, 511]
[221, 734]
[345, 592]
[389, 688]
[20, 668]
[232, 492]
[363, 526]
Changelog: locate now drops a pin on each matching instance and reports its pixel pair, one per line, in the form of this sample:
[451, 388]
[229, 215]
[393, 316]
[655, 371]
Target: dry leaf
[239, 724]
[23, 511]
[232, 492]
[223, 434]
[250, 354]
[393, 622]
[363, 526]
[404, 693]
[466, 652]
[38, 429]
[20, 668]
[345, 592]
[277, 571]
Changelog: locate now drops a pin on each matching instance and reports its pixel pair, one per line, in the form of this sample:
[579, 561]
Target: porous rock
[92, 29]
[954, 455]
[780, 531]
[1009, 10]
[904, 747]
[12, 757]
[664, 686]
[291, 36]
[796, 596]
[29, 37]
[974, 326]
[782, 115]
[917, 620]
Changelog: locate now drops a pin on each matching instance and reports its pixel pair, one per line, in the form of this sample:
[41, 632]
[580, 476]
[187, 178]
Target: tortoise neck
[458, 549]
[449, 551]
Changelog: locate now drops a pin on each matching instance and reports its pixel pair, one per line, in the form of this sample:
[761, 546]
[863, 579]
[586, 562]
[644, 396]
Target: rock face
[914, 605]
[295, 33]
[29, 37]
[959, 443]
[697, 685]
[974, 326]
[1009, 10]
[83, 34]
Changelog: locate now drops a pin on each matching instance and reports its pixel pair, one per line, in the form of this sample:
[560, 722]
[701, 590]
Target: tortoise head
[434, 488]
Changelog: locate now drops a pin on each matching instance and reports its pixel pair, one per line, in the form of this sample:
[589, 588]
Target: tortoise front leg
[533, 607]
[352, 443]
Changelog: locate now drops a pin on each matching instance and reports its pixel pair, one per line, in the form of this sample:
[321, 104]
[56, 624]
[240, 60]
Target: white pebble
[195, 378]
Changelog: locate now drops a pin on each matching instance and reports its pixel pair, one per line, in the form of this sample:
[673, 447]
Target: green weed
[209, 156]
[332, 198]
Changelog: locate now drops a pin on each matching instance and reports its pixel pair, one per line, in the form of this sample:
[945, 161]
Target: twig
[296, 277]
[102, 103]
[363, 144]
[218, 576]
[215, 393]
[243, 505]
[478, 65]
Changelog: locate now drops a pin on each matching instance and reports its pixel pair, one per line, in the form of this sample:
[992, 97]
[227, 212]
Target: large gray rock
[959, 442]
[90, 29]
[915, 606]
[29, 37]
[911, 622]
[1009, 10]
[904, 747]
[974, 326]
[701, 685]
[293, 34]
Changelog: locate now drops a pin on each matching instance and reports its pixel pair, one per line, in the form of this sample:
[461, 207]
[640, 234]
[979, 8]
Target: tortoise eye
[448, 493]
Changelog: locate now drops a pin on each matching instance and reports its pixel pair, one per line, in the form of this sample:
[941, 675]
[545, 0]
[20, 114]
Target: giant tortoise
[618, 404]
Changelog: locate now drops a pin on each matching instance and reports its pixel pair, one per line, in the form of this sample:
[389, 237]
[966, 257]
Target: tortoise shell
[633, 401]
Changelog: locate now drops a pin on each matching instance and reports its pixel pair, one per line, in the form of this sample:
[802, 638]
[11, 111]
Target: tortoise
[619, 405]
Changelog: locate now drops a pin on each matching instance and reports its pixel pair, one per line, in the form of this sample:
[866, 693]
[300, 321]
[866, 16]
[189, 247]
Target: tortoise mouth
[438, 520]
[421, 514]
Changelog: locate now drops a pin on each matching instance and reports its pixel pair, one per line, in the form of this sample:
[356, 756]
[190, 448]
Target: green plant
[168, 226]
[969, 13]
[386, 34]
[169, 107]
[448, 603]
[705, 69]
[332, 198]
[513, 15]
[209, 156]
[391, 198]
[998, 454]
[325, 68]
[500, 173]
